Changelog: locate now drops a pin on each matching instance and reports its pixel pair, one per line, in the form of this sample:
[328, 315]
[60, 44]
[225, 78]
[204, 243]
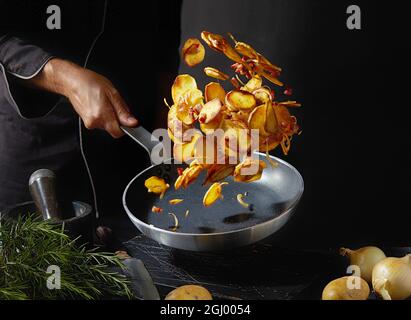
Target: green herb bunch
[29, 246]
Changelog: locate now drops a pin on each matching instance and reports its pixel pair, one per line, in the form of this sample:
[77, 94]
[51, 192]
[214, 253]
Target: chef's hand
[93, 96]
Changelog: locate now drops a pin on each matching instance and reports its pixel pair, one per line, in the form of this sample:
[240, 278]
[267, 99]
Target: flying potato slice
[236, 137]
[175, 201]
[271, 124]
[185, 151]
[176, 128]
[240, 115]
[215, 73]
[262, 95]
[193, 52]
[181, 85]
[210, 111]
[185, 113]
[232, 54]
[213, 193]
[171, 135]
[271, 77]
[257, 120]
[193, 97]
[236, 124]
[188, 176]
[287, 122]
[156, 185]
[204, 35]
[206, 152]
[247, 163]
[220, 44]
[240, 100]
[214, 41]
[253, 84]
[218, 172]
[212, 125]
[186, 107]
[236, 142]
[291, 103]
[246, 50]
[267, 65]
[214, 90]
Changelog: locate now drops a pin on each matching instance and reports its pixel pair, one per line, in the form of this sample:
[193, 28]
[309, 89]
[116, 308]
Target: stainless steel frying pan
[225, 224]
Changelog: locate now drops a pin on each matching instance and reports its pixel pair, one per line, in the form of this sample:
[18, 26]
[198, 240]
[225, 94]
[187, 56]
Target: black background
[354, 152]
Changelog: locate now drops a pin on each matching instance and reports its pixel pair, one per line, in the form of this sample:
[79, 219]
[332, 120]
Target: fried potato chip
[236, 138]
[181, 85]
[253, 84]
[218, 172]
[214, 41]
[267, 65]
[287, 122]
[246, 50]
[236, 124]
[193, 52]
[231, 54]
[193, 97]
[271, 124]
[257, 120]
[215, 73]
[213, 193]
[262, 95]
[188, 176]
[292, 103]
[236, 141]
[269, 143]
[240, 100]
[176, 128]
[271, 77]
[175, 201]
[185, 113]
[240, 115]
[214, 90]
[247, 163]
[185, 151]
[186, 107]
[210, 111]
[212, 125]
[156, 185]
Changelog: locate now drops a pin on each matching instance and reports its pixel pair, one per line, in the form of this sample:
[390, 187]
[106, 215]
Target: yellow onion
[346, 288]
[365, 258]
[391, 278]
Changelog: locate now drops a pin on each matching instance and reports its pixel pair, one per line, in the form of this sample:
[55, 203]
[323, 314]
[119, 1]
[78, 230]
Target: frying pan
[224, 225]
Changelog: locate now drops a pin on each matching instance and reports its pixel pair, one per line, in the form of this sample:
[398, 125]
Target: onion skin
[365, 258]
[391, 278]
[338, 290]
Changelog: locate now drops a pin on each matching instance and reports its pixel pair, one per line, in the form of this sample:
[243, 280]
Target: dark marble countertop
[260, 271]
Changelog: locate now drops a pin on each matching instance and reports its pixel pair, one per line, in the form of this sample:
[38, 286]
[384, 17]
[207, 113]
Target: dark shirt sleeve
[19, 61]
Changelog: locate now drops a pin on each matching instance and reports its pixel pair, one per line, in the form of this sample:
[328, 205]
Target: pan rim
[174, 233]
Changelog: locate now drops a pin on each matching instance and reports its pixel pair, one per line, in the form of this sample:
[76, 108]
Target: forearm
[57, 77]
[92, 95]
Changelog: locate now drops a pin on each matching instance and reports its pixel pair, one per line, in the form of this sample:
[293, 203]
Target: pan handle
[142, 137]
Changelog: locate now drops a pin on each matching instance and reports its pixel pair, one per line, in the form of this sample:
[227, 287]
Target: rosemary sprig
[29, 246]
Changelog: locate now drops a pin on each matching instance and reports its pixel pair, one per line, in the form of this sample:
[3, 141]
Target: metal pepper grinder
[42, 185]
